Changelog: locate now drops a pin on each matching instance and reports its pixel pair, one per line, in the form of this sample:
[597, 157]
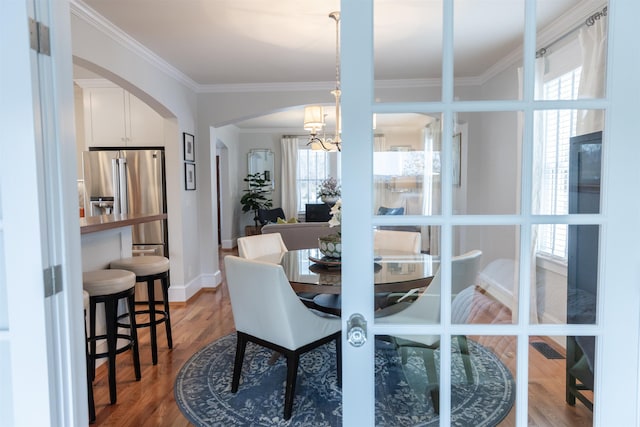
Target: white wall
[226, 142]
[101, 51]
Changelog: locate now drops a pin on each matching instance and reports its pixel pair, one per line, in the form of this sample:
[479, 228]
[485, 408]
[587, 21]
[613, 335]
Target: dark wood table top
[393, 271]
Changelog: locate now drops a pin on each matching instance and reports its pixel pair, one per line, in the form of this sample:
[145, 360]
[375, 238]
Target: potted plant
[256, 196]
[329, 190]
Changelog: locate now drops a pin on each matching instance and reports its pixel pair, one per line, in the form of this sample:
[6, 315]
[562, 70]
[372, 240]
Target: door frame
[39, 223]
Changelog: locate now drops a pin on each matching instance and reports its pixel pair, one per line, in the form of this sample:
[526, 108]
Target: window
[559, 127]
[313, 168]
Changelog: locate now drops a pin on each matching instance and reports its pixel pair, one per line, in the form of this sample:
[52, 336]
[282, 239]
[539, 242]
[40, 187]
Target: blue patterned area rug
[202, 388]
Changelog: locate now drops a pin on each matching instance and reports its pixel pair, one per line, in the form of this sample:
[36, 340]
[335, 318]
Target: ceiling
[231, 42]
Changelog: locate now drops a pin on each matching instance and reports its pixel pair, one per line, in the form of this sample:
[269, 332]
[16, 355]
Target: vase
[330, 200]
[330, 246]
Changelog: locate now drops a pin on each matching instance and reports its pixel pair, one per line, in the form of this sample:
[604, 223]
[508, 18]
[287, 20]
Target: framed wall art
[189, 147]
[189, 176]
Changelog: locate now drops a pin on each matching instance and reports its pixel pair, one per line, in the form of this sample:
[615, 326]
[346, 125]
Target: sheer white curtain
[433, 141]
[593, 41]
[289, 191]
[536, 186]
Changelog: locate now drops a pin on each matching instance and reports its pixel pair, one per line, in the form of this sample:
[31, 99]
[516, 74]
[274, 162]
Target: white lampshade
[316, 146]
[313, 118]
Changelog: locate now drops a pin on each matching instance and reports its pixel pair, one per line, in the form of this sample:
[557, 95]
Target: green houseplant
[257, 195]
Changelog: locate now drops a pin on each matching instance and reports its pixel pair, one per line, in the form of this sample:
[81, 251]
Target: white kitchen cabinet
[115, 118]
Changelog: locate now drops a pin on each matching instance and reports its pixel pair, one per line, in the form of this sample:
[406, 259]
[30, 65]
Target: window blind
[559, 127]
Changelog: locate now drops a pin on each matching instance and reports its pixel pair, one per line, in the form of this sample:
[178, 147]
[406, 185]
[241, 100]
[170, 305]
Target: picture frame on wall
[189, 176]
[189, 147]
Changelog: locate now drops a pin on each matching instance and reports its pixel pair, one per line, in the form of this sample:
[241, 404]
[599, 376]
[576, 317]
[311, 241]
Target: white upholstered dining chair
[401, 241]
[464, 271]
[260, 245]
[267, 311]
[426, 310]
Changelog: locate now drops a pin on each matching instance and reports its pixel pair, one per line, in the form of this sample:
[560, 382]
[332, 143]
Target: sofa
[300, 235]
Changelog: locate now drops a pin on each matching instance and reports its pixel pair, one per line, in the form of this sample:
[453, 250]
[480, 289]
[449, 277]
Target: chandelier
[314, 116]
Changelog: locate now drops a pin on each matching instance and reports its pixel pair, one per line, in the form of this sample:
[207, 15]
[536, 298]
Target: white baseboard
[182, 293]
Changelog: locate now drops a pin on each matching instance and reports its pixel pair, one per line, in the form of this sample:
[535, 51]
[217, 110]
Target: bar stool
[92, 406]
[149, 269]
[109, 287]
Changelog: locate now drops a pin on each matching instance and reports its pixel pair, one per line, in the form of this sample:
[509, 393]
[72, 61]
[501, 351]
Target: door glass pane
[563, 49]
[488, 39]
[407, 380]
[565, 273]
[567, 162]
[561, 378]
[486, 163]
[408, 50]
[488, 374]
[485, 271]
[404, 274]
[406, 164]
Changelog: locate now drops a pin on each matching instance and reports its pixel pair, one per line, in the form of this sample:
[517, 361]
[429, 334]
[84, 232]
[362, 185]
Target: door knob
[357, 330]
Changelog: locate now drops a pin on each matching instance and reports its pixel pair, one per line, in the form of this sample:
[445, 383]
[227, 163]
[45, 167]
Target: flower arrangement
[329, 188]
[331, 246]
[336, 214]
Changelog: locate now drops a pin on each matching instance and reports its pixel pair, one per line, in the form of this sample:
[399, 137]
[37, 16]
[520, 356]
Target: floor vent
[546, 350]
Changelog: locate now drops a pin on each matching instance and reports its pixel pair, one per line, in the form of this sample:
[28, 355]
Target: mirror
[261, 161]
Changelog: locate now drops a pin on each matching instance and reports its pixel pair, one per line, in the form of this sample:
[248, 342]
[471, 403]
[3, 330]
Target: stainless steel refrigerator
[128, 181]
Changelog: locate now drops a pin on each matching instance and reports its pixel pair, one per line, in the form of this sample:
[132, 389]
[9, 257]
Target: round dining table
[308, 271]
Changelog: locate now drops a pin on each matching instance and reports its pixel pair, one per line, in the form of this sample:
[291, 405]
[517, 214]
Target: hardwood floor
[207, 317]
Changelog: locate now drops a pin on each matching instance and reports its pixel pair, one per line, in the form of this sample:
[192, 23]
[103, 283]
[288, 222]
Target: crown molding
[93, 18]
[266, 87]
[550, 33]
[284, 131]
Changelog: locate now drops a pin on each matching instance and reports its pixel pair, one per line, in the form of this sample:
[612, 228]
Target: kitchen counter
[93, 224]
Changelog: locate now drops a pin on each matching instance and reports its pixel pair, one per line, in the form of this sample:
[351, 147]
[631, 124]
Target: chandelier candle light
[314, 116]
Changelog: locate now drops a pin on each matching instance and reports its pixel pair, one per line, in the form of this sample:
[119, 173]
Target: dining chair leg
[339, 359]
[241, 345]
[466, 357]
[292, 374]
[433, 382]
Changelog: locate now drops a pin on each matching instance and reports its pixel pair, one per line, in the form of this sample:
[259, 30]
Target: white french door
[456, 224]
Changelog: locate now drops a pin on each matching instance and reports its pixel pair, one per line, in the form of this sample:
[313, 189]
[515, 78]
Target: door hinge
[52, 280]
[39, 37]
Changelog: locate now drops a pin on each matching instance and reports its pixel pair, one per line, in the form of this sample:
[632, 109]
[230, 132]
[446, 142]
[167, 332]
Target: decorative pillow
[293, 220]
[281, 221]
[383, 210]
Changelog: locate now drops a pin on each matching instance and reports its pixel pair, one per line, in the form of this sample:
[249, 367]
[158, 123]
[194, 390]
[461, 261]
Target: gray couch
[301, 235]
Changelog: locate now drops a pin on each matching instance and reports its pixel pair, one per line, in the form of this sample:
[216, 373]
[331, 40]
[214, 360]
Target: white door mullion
[358, 391]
